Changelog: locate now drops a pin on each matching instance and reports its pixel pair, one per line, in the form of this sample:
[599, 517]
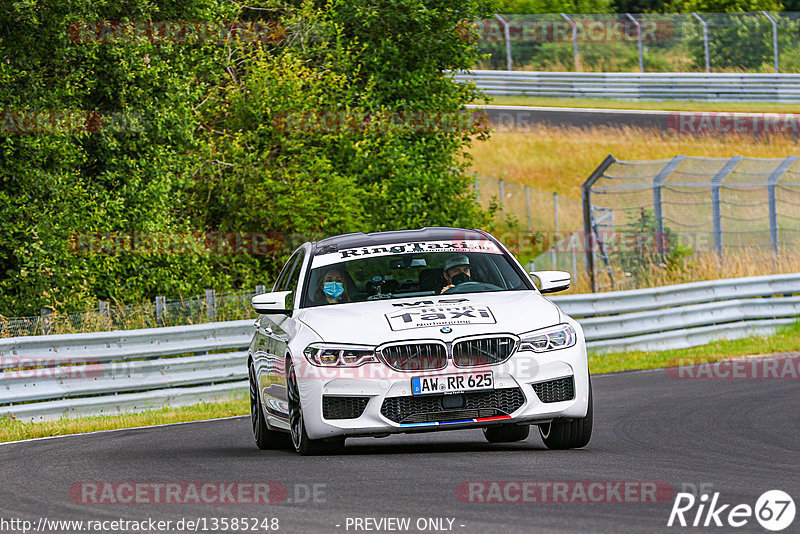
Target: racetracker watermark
[176, 32]
[417, 122]
[53, 368]
[122, 243]
[703, 122]
[761, 367]
[564, 492]
[53, 121]
[194, 493]
[587, 30]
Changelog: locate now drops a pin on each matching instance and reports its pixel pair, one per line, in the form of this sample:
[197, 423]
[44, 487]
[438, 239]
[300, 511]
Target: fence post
[586, 198]
[638, 40]
[46, 320]
[774, 39]
[261, 289]
[716, 182]
[555, 236]
[161, 309]
[477, 189]
[528, 206]
[772, 181]
[574, 42]
[502, 196]
[211, 303]
[507, 39]
[658, 181]
[705, 40]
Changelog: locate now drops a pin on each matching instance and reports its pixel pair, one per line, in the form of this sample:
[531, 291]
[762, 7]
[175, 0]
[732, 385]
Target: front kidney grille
[343, 407]
[429, 408]
[558, 390]
[484, 351]
[414, 356]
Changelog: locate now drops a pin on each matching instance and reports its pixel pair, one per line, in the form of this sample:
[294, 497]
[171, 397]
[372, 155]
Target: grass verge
[11, 430]
[749, 107]
[785, 340]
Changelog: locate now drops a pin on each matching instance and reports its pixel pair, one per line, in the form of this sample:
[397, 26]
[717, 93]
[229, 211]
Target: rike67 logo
[774, 510]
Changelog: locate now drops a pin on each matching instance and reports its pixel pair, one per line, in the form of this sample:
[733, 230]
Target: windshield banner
[453, 247]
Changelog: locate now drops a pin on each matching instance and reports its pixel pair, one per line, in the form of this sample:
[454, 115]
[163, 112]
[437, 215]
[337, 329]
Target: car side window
[293, 278]
[280, 283]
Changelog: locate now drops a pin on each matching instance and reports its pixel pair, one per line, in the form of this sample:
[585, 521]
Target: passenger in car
[333, 288]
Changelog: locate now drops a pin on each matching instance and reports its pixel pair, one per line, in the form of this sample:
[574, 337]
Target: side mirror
[272, 303]
[552, 281]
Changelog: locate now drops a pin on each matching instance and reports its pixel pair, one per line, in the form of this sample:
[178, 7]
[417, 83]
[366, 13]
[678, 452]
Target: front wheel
[266, 439]
[569, 434]
[302, 443]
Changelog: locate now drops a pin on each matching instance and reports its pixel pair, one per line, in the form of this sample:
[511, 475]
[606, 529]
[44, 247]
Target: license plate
[427, 385]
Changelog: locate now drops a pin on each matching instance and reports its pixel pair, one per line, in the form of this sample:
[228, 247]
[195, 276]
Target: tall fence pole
[705, 40]
[477, 189]
[507, 39]
[638, 40]
[586, 198]
[502, 195]
[574, 41]
[716, 183]
[772, 182]
[774, 39]
[161, 309]
[528, 207]
[658, 208]
[555, 236]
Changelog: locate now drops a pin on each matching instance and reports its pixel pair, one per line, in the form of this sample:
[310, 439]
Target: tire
[506, 433]
[300, 440]
[569, 434]
[266, 439]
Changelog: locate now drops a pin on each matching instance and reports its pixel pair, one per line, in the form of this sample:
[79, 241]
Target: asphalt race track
[520, 118]
[736, 437]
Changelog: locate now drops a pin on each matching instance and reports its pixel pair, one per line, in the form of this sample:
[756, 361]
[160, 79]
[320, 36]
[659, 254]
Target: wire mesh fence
[640, 213]
[228, 306]
[674, 42]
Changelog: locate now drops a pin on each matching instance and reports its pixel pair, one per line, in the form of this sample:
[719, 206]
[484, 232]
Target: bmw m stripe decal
[481, 420]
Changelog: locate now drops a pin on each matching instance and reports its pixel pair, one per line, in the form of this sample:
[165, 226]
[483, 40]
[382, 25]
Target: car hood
[380, 321]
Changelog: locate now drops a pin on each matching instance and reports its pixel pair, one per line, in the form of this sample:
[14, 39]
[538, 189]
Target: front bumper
[368, 387]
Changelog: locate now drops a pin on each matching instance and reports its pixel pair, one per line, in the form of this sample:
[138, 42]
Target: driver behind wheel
[456, 271]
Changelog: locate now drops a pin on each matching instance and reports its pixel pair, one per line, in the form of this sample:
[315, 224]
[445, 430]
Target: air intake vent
[556, 390]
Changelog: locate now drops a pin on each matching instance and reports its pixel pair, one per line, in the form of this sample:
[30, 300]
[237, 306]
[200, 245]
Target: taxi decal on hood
[439, 316]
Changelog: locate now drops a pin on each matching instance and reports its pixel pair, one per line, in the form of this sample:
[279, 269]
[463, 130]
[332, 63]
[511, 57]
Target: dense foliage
[188, 136]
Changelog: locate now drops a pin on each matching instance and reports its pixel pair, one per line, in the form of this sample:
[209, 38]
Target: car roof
[360, 239]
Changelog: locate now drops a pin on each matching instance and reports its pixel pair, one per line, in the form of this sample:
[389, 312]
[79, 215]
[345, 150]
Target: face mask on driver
[333, 289]
[460, 278]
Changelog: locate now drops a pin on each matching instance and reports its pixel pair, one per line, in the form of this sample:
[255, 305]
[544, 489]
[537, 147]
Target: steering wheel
[471, 287]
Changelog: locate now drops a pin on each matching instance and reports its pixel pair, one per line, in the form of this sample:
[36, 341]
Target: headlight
[339, 355]
[552, 338]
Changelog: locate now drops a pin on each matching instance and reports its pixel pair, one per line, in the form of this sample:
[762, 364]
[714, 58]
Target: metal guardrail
[105, 373]
[685, 315]
[716, 87]
[126, 371]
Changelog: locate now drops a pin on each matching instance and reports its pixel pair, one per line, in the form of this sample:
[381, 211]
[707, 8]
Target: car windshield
[389, 272]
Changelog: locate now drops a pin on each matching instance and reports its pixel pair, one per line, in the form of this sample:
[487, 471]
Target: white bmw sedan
[415, 331]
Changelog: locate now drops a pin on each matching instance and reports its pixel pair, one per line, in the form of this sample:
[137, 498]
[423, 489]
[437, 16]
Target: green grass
[11, 430]
[752, 107]
[785, 340]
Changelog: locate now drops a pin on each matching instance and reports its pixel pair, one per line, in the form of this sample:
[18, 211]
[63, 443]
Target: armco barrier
[125, 371]
[712, 87]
